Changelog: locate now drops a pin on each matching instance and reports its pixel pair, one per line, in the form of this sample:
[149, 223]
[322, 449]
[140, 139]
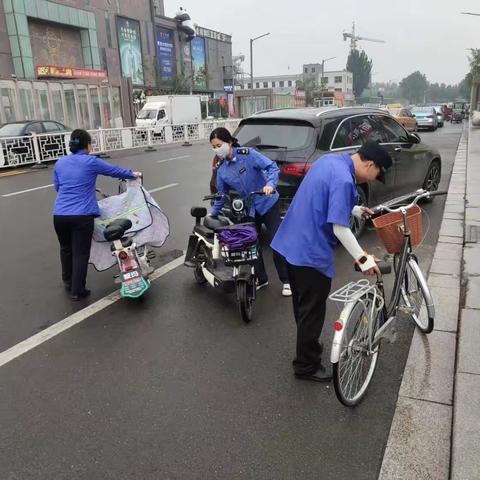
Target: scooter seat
[215, 222]
[204, 232]
[116, 230]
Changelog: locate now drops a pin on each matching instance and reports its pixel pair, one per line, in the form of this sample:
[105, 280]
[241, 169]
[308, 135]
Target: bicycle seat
[116, 230]
[213, 223]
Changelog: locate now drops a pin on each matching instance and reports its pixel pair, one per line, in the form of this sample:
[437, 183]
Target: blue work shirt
[326, 197]
[245, 173]
[74, 178]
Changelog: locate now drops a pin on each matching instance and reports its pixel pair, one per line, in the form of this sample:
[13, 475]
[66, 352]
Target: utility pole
[251, 66]
[323, 72]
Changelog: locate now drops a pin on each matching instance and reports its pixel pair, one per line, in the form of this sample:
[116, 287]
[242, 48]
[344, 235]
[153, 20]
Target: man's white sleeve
[348, 240]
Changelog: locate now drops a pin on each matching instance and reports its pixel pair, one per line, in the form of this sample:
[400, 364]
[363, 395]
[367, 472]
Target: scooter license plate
[132, 275]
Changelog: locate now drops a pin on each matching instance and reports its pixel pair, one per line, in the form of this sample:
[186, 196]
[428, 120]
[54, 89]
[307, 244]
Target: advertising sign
[54, 71]
[199, 63]
[166, 53]
[129, 44]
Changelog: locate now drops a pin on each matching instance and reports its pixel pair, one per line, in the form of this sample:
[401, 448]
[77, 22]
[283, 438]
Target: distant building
[281, 84]
[333, 81]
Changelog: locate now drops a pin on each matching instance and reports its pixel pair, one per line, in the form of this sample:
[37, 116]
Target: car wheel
[432, 179]
[358, 226]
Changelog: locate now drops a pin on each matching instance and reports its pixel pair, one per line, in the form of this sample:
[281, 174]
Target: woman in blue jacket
[76, 207]
[245, 170]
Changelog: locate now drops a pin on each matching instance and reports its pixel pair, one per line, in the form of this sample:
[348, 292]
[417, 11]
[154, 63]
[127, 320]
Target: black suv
[295, 138]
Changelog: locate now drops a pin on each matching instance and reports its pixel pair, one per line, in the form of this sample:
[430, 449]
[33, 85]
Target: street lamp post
[323, 72]
[251, 65]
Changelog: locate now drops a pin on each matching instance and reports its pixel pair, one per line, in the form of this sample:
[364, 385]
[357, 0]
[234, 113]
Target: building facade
[280, 84]
[333, 81]
[82, 62]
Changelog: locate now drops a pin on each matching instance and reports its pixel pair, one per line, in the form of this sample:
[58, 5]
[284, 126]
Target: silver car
[426, 117]
[440, 115]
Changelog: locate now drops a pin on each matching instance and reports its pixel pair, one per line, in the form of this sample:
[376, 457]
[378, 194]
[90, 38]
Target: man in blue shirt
[318, 217]
[76, 206]
[245, 170]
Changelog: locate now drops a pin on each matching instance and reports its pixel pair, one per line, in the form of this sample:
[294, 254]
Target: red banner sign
[68, 72]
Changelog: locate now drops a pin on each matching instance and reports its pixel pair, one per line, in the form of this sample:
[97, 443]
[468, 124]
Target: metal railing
[44, 147]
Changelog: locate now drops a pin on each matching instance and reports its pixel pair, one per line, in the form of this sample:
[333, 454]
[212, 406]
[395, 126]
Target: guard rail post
[38, 158]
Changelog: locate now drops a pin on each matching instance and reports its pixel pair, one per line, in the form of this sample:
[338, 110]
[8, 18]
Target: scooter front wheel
[245, 300]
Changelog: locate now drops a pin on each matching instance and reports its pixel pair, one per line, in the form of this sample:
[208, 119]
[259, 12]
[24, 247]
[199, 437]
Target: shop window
[26, 102]
[108, 30]
[106, 110]
[97, 117]
[57, 105]
[43, 109]
[117, 109]
[83, 107]
[9, 106]
[71, 108]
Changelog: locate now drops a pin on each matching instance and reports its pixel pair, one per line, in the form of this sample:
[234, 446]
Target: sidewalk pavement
[435, 433]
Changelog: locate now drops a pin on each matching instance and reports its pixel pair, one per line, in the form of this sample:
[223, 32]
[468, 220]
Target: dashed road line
[28, 190]
[173, 158]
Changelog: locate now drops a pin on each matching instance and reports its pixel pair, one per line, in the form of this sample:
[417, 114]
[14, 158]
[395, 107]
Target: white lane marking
[173, 158]
[26, 191]
[170, 185]
[59, 327]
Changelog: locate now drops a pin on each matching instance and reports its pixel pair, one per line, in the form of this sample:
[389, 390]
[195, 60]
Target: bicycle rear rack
[352, 291]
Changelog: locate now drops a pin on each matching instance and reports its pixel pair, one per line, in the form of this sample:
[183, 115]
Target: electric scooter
[133, 260]
[229, 269]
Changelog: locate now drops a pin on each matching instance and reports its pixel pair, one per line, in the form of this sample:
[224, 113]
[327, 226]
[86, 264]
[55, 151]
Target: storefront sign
[166, 53]
[130, 49]
[68, 72]
[199, 63]
[205, 32]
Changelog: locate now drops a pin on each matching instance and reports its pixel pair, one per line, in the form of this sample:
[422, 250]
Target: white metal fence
[45, 147]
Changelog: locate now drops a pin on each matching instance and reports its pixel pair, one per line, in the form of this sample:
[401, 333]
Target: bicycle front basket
[389, 228]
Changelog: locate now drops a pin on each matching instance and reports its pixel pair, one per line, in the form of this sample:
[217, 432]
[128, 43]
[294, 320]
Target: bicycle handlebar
[419, 194]
[218, 196]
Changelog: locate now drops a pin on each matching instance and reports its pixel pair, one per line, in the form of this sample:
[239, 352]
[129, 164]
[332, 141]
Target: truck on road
[169, 110]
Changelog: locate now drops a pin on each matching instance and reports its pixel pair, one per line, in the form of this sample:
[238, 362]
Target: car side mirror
[414, 138]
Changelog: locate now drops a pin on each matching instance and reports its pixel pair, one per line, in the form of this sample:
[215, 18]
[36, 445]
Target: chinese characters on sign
[130, 49]
[68, 72]
[205, 32]
[166, 53]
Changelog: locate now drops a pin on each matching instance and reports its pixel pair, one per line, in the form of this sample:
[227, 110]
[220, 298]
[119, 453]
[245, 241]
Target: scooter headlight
[237, 205]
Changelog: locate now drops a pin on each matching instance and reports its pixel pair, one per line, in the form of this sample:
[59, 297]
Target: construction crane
[355, 38]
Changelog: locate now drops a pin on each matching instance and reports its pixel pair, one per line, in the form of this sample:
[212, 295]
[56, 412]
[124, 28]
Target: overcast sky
[426, 35]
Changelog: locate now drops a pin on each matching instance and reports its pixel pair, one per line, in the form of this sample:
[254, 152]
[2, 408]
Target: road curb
[420, 439]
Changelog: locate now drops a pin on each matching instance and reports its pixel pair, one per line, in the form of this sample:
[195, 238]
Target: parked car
[404, 117]
[426, 117]
[295, 138]
[440, 115]
[19, 150]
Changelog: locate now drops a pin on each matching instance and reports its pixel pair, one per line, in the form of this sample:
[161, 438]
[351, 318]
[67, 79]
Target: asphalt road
[175, 386]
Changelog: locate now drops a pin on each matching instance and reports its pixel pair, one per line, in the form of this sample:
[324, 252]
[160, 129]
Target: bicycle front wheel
[416, 296]
[245, 300]
[356, 364]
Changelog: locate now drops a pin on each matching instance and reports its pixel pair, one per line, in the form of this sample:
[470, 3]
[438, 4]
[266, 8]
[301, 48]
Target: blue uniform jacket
[246, 172]
[74, 179]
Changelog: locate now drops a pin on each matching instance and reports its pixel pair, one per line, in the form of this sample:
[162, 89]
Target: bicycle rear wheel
[354, 370]
[416, 294]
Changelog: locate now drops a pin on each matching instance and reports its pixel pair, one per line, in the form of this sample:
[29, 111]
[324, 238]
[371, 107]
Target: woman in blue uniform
[245, 170]
[76, 207]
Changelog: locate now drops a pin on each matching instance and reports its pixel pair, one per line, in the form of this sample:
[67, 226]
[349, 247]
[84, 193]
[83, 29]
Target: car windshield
[12, 129]
[422, 109]
[292, 136]
[147, 114]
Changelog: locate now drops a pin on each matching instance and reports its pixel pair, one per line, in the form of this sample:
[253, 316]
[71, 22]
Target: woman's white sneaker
[286, 290]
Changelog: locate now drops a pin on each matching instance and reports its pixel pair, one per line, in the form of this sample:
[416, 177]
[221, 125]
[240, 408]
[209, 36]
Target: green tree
[465, 86]
[361, 66]
[309, 86]
[414, 87]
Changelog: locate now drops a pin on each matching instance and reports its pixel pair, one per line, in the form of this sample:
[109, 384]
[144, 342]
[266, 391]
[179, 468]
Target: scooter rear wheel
[245, 300]
[197, 271]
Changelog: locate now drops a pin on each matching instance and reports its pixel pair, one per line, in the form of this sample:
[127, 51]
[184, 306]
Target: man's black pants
[272, 221]
[310, 290]
[74, 233]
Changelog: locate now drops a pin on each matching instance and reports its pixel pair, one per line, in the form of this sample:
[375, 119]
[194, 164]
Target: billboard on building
[166, 53]
[129, 44]
[199, 63]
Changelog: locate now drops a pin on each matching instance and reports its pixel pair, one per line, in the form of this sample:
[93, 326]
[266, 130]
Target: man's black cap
[376, 153]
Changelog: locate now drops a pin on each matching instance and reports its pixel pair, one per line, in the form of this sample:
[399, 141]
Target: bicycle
[367, 317]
